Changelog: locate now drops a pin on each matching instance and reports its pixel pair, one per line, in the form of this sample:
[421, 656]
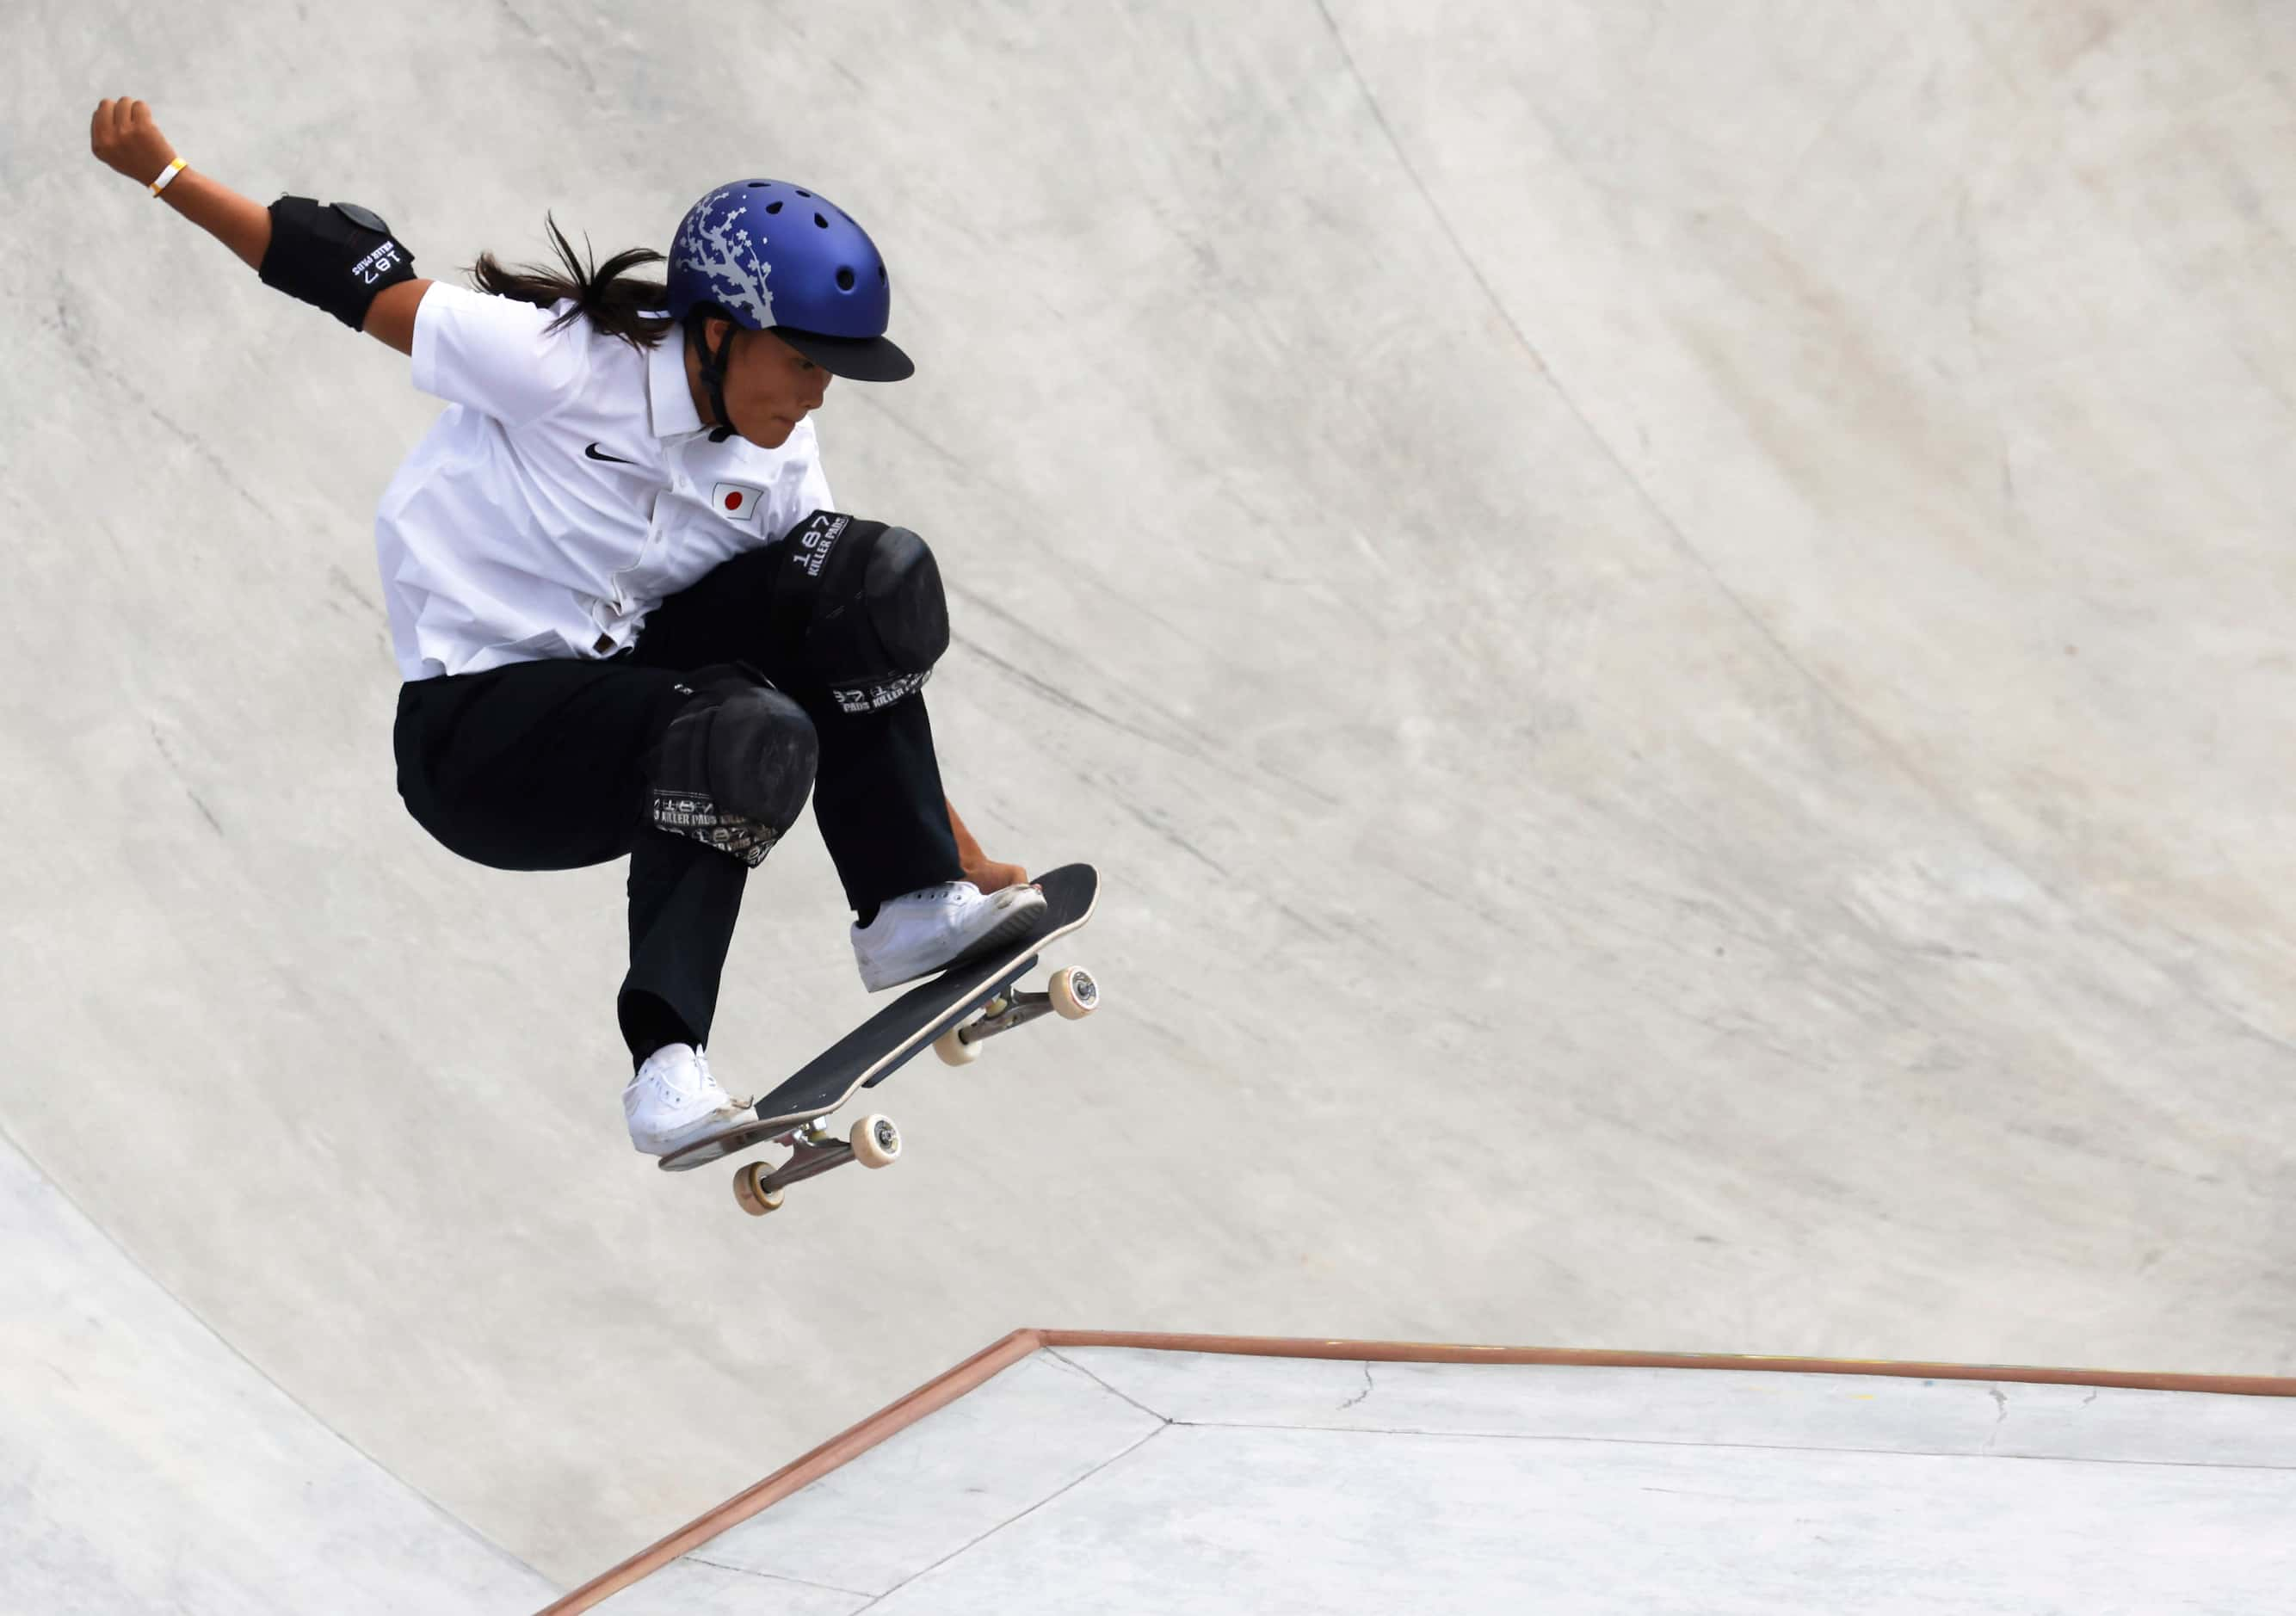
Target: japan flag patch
[737, 501]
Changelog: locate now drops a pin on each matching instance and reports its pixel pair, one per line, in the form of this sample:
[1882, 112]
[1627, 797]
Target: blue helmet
[771, 256]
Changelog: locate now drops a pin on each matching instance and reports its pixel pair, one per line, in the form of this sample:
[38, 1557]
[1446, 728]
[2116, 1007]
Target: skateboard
[938, 1013]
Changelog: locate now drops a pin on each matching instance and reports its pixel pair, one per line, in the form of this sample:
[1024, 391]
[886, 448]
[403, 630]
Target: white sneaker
[674, 1102]
[921, 932]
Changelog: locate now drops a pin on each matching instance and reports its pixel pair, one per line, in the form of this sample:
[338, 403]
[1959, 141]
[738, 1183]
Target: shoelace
[666, 1081]
[702, 1059]
[708, 1077]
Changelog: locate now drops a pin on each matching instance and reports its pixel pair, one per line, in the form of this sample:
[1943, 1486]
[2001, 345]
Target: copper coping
[991, 1361]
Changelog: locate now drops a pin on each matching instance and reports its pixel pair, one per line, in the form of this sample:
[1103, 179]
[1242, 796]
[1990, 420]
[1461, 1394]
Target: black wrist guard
[336, 256]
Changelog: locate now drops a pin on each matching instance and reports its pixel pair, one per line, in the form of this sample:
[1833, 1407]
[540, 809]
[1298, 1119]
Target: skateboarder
[628, 620]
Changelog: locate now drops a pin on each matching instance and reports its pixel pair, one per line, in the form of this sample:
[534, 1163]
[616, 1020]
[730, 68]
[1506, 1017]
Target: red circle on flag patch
[733, 500]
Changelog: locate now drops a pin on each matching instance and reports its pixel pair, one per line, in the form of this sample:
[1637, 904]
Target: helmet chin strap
[713, 370]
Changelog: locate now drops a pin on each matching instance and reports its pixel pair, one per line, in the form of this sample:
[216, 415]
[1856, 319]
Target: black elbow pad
[335, 256]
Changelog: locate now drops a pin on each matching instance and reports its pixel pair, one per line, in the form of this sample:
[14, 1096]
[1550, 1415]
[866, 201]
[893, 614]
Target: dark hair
[606, 294]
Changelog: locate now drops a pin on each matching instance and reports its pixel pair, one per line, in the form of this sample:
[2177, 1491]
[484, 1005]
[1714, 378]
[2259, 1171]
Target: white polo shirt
[568, 488]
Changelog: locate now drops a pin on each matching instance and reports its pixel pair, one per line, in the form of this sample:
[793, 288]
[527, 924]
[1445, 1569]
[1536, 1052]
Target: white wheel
[876, 1141]
[1075, 994]
[955, 1050]
[749, 1189]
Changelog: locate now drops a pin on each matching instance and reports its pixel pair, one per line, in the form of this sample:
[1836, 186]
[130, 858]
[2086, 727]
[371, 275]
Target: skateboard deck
[932, 1010]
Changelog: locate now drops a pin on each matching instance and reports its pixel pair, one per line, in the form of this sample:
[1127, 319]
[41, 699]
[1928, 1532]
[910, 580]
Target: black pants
[540, 766]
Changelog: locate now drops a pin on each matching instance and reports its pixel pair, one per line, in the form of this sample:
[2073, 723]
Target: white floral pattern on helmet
[709, 245]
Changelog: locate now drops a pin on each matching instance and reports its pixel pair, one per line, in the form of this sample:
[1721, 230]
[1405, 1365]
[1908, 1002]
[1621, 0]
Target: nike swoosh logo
[595, 452]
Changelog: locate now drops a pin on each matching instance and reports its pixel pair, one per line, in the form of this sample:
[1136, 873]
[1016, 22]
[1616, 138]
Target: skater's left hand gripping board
[336, 256]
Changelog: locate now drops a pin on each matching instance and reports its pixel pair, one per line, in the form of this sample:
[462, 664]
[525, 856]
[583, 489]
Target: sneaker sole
[725, 1121]
[1003, 935]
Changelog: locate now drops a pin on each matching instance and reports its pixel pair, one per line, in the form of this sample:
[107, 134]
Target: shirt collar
[668, 396]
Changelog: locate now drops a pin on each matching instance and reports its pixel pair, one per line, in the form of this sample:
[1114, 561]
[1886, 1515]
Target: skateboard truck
[1071, 994]
[874, 1141]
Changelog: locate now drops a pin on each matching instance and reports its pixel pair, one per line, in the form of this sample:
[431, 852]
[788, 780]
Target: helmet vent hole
[773, 207]
[755, 184]
[804, 193]
[844, 278]
[821, 221]
[881, 273]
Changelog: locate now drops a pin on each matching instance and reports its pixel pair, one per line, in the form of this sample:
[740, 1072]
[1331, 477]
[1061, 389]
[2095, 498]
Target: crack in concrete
[802, 1582]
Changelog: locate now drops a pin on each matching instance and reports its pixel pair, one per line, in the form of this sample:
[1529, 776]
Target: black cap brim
[855, 358]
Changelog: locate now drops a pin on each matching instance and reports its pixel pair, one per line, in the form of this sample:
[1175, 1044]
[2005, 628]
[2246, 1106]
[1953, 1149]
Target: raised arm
[124, 134]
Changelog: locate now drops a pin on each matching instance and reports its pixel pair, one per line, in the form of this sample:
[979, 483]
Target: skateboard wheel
[876, 1141]
[1075, 994]
[951, 1047]
[749, 1190]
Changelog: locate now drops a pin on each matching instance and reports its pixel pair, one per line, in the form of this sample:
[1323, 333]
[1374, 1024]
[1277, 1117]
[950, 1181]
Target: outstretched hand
[124, 134]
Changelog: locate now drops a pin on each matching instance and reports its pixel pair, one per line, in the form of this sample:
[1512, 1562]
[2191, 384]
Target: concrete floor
[1120, 1480]
[1669, 625]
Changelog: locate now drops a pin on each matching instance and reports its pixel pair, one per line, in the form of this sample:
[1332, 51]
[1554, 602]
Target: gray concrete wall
[144, 1465]
[1670, 628]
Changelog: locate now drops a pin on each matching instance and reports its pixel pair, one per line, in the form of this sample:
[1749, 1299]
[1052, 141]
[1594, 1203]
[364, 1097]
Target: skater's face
[769, 386]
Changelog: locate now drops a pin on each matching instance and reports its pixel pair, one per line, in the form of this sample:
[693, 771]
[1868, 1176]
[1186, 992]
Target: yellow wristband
[166, 178]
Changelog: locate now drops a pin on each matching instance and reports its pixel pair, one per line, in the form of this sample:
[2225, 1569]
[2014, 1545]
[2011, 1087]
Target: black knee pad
[862, 605]
[907, 607]
[734, 766]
